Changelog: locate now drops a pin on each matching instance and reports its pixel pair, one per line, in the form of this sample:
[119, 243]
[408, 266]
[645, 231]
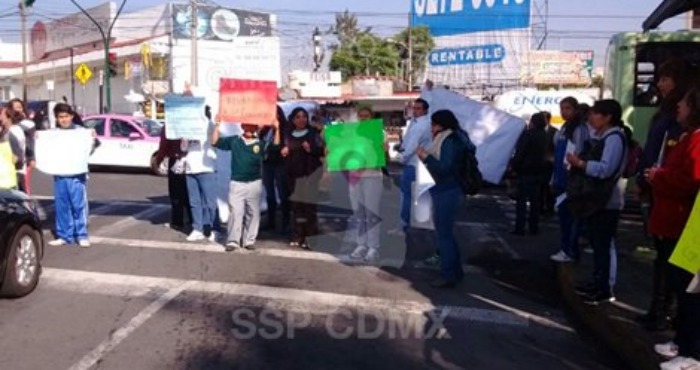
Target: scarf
[436, 147]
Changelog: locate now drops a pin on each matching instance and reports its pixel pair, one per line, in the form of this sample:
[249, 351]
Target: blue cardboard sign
[491, 53]
[184, 118]
[455, 17]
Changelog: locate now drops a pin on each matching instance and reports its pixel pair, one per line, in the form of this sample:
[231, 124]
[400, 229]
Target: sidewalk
[614, 324]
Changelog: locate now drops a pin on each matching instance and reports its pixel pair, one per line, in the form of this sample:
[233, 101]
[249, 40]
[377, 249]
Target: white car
[126, 141]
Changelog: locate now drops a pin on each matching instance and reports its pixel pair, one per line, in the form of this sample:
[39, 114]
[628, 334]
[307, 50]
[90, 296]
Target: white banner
[494, 132]
[63, 152]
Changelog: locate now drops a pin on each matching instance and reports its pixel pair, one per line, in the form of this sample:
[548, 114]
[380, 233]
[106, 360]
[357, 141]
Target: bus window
[649, 57]
[645, 87]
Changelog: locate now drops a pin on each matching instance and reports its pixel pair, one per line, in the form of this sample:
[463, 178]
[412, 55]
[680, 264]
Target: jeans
[365, 225]
[570, 229]
[408, 176]
[275, 186]
[528, 191]
[202, 194]
[180, 214]
[602, 228]
[244, 221]
[688, 326]
[446, 202]
[70, 197]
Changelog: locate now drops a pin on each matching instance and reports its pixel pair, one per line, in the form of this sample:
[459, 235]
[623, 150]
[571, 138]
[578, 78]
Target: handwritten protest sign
[248, 101]
[184, 117]
[355, 146]
[63, 152]
[686, 255]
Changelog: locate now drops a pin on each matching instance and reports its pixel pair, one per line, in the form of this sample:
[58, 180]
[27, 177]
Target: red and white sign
[248, 101]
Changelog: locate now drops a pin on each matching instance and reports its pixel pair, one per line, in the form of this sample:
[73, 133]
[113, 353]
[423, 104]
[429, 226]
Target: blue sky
[573, 23]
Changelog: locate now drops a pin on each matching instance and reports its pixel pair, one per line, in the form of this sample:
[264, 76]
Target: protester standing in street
[29, 129]
[70, 193]
[302, 153]
[180, 213]
[274, 177]
[674, 186]
[606, 122]
[443, 158]
[18, 143]
[200, 160]
[547, 194]
[8, 171]
[529, 166]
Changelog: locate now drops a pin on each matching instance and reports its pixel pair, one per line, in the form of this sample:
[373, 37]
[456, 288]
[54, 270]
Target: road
[142, 298]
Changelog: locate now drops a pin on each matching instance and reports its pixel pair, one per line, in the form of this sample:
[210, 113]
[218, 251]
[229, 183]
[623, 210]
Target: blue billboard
[455, 17]
[491, 53]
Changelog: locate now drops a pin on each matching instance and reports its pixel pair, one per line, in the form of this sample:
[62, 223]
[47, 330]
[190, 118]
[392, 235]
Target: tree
[346, 29]
[422, 43]
[367, 55]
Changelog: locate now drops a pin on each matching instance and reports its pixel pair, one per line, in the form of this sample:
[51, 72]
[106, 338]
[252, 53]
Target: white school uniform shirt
[201, 156]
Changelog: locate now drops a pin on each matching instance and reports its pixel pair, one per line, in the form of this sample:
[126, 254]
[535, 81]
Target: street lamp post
[106, 39]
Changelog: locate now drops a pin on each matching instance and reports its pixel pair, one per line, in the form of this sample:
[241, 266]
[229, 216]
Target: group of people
[16, 147]
[593, 157]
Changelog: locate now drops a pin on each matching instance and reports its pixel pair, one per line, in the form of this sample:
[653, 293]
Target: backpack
[468, 174]
[586, 195]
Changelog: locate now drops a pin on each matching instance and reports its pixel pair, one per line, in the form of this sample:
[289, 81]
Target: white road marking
[284, 298]
[506, 246]
[526, 315]
[92, 358]
[129, 221]
[267, 252]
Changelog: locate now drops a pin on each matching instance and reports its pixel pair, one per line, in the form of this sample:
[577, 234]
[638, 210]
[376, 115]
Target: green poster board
[355, 146]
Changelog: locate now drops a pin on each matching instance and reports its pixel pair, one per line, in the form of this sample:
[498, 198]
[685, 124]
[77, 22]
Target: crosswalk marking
[288, 299]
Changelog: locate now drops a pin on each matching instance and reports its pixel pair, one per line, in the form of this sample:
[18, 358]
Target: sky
[572, 24]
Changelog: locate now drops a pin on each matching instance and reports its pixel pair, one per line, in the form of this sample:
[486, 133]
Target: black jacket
[531, 153]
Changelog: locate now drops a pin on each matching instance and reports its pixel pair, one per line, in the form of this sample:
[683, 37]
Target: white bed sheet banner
[63, 152]
[422, 207]
[494, 132]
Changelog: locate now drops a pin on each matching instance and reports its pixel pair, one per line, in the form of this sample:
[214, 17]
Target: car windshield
[151, 127]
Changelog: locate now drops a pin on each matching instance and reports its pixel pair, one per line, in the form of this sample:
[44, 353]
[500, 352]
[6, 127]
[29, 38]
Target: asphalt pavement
[143, 298]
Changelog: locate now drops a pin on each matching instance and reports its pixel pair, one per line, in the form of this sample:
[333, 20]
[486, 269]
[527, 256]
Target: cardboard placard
[248, 101]
[355, 146]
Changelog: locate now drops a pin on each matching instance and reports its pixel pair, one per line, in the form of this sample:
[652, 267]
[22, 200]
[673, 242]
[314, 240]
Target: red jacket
[675, 186]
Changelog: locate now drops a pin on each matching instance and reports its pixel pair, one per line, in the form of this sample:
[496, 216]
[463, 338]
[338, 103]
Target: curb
[628, 342]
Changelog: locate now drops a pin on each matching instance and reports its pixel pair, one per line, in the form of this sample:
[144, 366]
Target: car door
[100, 156]
[131, 145]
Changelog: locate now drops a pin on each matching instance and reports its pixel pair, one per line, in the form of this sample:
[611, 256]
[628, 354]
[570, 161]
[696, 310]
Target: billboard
[219, 24]
[543, 67]
[477, 42]
[456, 17]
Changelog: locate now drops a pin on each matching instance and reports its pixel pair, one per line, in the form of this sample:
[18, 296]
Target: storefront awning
[668, 9]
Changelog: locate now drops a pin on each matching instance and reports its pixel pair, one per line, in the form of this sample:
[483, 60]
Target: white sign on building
[316, 84]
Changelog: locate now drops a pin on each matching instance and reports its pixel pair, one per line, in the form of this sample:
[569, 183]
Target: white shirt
[418, 134]
[201, 156]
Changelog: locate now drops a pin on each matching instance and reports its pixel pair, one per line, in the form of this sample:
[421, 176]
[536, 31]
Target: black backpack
[468, 175]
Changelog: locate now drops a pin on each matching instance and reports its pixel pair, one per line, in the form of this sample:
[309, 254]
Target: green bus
[631, 63]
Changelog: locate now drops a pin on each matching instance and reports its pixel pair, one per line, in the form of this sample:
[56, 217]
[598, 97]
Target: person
[17, 140]
[70, 193]
[547, 195]
[571, 137]
[529, 166]
[417, 135]
[365, 189]
[246, 184]
[24, 171]
[8, 160]
[180, 213]
[664, 132]
[200, 159]
[442, 160]
[302, 153]
[674, 186]
[273, 173]
[606, 123]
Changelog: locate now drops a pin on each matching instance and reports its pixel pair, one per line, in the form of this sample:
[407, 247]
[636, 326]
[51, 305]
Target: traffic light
[112, 64]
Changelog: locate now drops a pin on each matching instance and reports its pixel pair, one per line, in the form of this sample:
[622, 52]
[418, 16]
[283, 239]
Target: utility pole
[23, 26]
[72, 79]
[318, 49]
[106, 39]
[410, 52]
[194, 25]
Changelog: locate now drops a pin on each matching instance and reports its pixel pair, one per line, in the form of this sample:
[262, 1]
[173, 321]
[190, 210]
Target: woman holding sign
[302, 153]
[674, 187]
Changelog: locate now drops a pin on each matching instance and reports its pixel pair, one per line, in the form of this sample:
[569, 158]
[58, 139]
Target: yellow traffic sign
[83, 73]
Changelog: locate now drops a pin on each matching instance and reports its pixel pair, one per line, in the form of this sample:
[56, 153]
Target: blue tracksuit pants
[71, 205]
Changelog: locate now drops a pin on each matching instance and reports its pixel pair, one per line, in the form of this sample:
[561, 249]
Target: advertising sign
[220, 24]
[456, 17]
[558, 67]
[316, 84]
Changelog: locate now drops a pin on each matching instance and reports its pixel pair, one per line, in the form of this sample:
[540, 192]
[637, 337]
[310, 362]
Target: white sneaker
[85, 243]
[213, 237]
[561, 257]
[58, 243]
[668, 350]
[359, 253]
[372, 256]
[196, 236]
[681, 363]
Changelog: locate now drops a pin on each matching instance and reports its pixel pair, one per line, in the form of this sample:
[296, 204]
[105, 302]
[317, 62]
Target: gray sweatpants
[364, 227]
[244, 220]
